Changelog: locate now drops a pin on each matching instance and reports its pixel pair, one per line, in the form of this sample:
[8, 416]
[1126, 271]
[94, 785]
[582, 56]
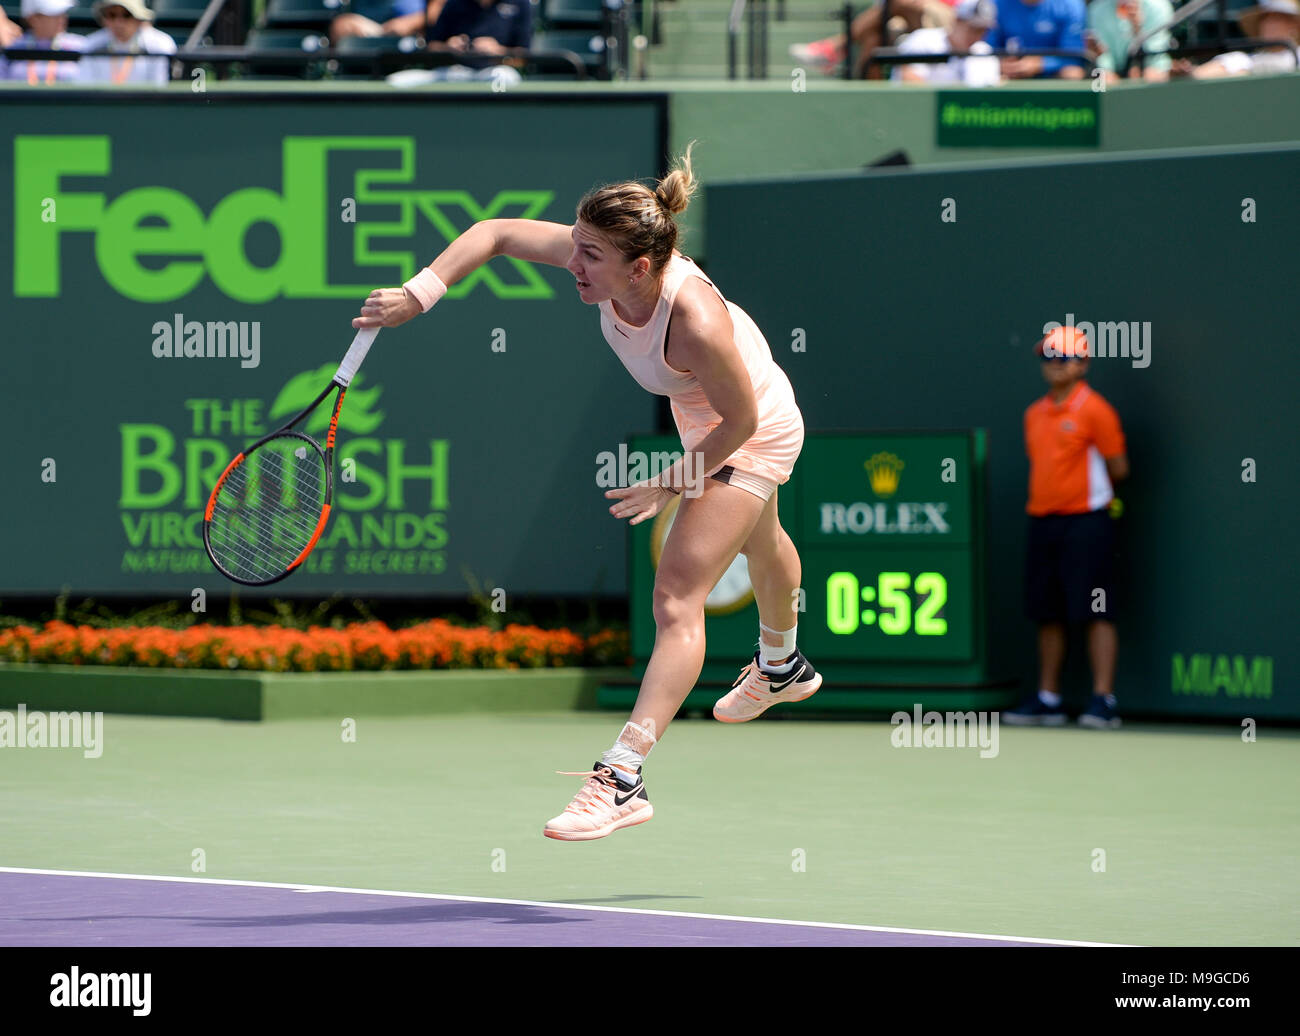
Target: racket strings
[260, 542]
[267, 511]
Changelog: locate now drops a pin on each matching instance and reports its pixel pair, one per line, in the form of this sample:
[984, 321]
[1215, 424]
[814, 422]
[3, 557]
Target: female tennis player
[740, 429]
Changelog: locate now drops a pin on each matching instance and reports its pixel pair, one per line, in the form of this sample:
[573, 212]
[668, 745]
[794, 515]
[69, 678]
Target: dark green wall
[912, 322]
[760, 129]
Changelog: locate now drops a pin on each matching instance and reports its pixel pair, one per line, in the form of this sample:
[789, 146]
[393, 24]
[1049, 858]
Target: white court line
[560, 906]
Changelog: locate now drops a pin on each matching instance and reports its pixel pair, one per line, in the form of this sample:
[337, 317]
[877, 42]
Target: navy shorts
[1069, 558]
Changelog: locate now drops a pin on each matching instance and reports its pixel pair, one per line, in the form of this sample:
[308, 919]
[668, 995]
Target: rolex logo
[883, 471]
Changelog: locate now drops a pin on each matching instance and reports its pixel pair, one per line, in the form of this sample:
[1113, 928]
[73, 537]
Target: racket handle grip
[356, 353]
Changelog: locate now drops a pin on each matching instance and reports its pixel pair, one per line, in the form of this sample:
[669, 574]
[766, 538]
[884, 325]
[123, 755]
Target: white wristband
[426, 288]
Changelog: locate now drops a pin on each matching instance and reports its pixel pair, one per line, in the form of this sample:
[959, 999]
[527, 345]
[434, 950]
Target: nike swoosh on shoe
[792, 678]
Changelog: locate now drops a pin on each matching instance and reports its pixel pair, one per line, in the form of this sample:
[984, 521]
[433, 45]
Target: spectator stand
[1200, 28]
[599, 31]
[750, 25]
[224, 22]
[219, 22]
[751, 16]
[1214, 21]
[177, 18]
[291, 39]
[890, 56]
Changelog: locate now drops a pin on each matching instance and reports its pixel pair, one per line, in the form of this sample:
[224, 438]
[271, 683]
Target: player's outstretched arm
[528, 239]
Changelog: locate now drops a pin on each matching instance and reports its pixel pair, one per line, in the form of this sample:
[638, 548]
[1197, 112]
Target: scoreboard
[886, 535]
[890, 529]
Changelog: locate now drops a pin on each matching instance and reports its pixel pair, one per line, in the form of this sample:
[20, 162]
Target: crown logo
[883, 470]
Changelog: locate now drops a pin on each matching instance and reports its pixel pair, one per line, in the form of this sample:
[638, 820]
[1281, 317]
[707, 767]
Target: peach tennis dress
[766, 459]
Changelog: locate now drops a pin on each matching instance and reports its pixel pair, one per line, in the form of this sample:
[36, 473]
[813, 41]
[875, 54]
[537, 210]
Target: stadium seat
[303, 14]
[177, 12]
[178, 8]
[1206, 27]
[588, 44]
[571, 14]
[286, 39]
[181, 33]
[373, 44]
[370, 45]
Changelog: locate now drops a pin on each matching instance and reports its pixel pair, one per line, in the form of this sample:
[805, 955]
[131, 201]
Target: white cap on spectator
[1250, 18]
[50, 7]
[135, 8]
[980, 13]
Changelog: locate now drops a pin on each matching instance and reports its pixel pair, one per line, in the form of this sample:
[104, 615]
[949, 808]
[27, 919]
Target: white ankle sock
[1049, 698]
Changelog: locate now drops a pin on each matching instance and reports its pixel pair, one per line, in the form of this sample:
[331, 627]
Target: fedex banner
[181, 275]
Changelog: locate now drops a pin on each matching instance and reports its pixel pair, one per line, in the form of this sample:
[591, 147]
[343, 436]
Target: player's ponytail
[640, 221]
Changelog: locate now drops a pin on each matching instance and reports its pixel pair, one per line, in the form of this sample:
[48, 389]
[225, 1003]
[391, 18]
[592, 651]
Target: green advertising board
[890, 531]
[1002, 118]
[182, 275]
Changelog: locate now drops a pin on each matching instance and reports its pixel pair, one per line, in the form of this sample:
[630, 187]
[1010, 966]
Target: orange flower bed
[436, 644]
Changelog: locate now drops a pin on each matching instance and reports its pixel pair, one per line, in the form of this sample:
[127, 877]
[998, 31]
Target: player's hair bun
[637, 220]
[676, 189]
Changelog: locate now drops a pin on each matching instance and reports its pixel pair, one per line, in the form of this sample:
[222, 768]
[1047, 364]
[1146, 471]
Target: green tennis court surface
[795, 820]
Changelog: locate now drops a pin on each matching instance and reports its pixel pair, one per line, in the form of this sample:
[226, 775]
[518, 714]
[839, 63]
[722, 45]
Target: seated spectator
[972, 19]
[1045, 24]
[127, 32]
[1113, 25]
[385, 18]
[47, 25]
[9, 31]
[1271, 20]
[868, 33]
[484, 26]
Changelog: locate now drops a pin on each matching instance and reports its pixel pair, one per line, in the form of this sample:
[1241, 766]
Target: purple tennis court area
[78, 909]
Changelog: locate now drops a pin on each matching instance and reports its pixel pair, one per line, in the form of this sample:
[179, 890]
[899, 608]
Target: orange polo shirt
[1068, 443]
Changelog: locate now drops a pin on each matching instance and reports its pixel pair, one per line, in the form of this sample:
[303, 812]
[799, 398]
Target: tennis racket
[270, 505]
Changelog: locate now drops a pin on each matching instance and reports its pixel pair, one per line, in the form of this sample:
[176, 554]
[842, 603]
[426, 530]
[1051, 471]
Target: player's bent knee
[672, 607]
[678, 615]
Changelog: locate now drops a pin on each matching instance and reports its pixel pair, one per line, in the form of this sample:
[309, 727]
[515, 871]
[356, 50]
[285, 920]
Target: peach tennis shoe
[754, 692]
[605, 803]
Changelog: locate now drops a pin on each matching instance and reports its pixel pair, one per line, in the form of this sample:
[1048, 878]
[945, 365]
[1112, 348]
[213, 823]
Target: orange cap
[1063, 341]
